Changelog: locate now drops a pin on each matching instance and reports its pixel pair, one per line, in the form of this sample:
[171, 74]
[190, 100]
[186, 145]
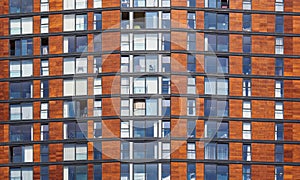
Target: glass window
[191, 20]
[97, 150]
[165, 172]
[145, 171]
[191, 3]
[191, 128]
[166, 23]
[279, 48]
[148, 85]
[125, 85]
[44, 5]
[97, 108]
[191, 171]
[278, 110]
[97, 172]
[216, 86]
[191, 151]
[74, 22]
[279, 153]
[246, 109]
[75, 172]
[166, 66]
[246, 152]
[74, 130]
[279, 88]
[213, 107]
[44, 132]
[75, 87]
[247, 4]
[215, 42]
[165, 3]
[214, 129]
[166, 107]
[151, 20]
[145, 150]
[246, 130]
[191, 63]
[166, 150]
[279, 67]
[97, 86]
[22, 90]
[75, 65]
[279, 131]
[44, 172]
[191, 85]
[148, 63]
[246, 172]
[21, 173]
[124, 129]
[21, 47]
[98, 3]
[213, 171]
[21, 26]
[124, 107]
[125, 42]
[124, 171]
[75, 4]
[20, 132]
[279, 26]
[44, 67]
[44, 24]
[139, 42]
[151, 41]
[97, 64]
[97, 129]
[125, 150]
[247, 44]
[247, 21]
[216, 151]
[21, 111]
[44, 110]
[215, 21]
[44, 153]
[278, 172]
[279, 5]
[20, 6]
[217, 3]
[215, 64]
[21, 68]
[75, 152]
[246, 87]
[97, 42]
[97, 21]
[166, 42]
[191, 41]
[145, 129]
[166, 83]
[75, 44]
[21, 154]
[246, 65]
[191, 107]
[44, 89]
[125, 22]
[76, 108]
[166, 129]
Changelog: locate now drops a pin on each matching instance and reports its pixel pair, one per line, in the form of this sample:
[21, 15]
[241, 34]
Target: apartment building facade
[149, 89]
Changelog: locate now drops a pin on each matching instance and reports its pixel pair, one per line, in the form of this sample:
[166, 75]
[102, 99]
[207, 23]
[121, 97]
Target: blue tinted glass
[97, 172]
[151, 170]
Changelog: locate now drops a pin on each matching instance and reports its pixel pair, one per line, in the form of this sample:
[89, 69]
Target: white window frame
[247, 109]
[278, 110]
[247, 130]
